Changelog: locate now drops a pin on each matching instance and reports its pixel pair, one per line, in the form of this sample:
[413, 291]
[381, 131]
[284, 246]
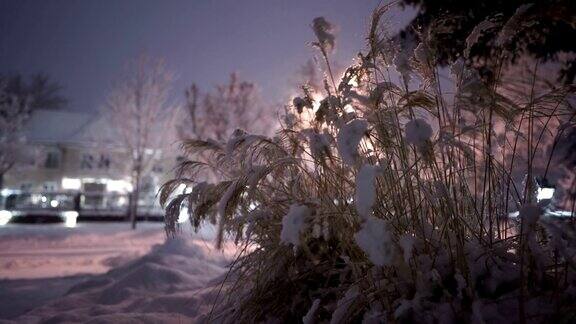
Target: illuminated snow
[293, 224]
[365, 190]
[376, 241]
[348, 139]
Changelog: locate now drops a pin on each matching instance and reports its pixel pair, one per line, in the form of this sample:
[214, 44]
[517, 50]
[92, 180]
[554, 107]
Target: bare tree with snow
[18, 100]
[13, 113]
[39, 91]
[216, 114]
[140, 111]
[233, 107]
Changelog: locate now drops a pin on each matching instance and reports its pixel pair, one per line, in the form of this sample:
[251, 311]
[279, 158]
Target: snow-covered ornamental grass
[388, 200]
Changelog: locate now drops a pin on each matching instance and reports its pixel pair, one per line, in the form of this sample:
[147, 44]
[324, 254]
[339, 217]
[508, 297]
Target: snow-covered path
[52, 250]
[106, 271]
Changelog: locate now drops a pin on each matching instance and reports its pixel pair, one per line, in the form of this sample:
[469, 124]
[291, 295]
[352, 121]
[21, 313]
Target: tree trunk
[2, 199]
[131, 212]
[135, 197]
[134, 216]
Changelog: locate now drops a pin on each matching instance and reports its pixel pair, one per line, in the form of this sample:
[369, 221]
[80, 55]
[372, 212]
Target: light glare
[183, 215]
[71, 184]
[70, 218]
[118, 186]
[5, 216]
[545, 193]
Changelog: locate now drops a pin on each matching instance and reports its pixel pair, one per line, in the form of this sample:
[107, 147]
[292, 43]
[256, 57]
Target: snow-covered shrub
[389, 199]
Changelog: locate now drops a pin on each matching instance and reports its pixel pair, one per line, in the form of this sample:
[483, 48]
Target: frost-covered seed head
[299, 104]
[324, 32]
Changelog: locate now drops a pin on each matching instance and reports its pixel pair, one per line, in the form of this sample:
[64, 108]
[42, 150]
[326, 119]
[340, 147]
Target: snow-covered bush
[390, 200]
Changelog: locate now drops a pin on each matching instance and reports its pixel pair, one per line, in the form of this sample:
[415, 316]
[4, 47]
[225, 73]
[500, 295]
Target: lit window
[71, 184]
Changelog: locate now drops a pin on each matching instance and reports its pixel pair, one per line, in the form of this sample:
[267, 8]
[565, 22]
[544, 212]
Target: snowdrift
[176, 282]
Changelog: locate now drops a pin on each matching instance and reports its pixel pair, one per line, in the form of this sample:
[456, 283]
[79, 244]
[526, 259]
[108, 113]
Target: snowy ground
[105, 272]
[52, 250]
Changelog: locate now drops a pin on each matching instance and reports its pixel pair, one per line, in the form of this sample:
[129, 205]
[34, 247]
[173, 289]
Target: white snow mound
[177, 282]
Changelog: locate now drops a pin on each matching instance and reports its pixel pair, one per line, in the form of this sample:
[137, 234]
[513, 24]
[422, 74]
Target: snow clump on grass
[418, 131]
[375, 240]
[365, 195]
[293, 223]
[348, 139]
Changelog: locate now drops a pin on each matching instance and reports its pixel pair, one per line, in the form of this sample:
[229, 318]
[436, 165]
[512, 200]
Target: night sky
[84, 45]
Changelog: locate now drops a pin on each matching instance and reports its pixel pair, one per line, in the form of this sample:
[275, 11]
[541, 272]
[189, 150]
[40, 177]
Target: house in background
[80, 152]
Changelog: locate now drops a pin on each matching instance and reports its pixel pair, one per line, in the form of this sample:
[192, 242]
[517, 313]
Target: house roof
[77, 128]
[49, 126]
